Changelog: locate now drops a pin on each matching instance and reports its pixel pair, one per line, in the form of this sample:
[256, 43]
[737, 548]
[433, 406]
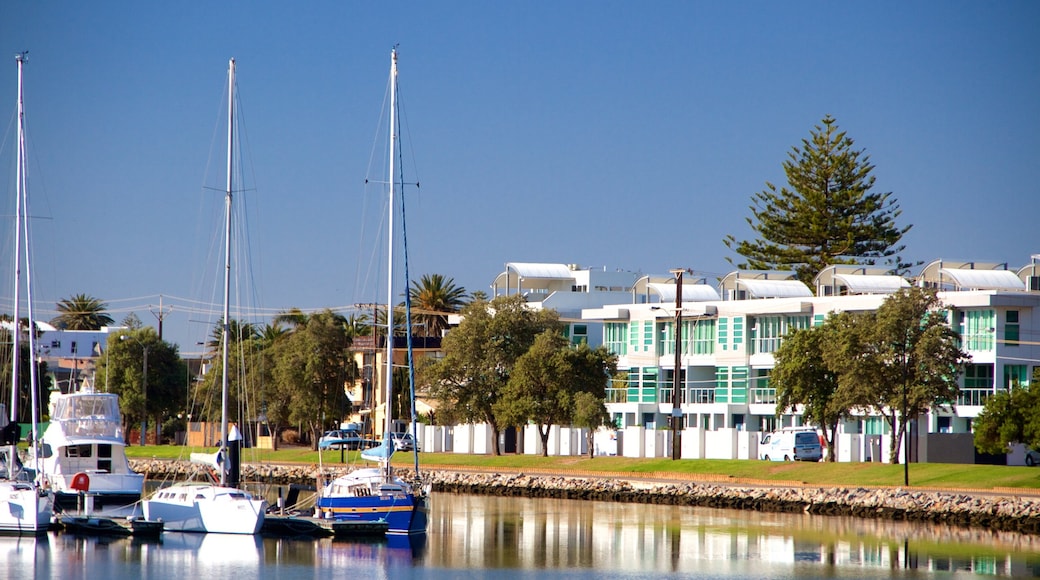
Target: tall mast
[390, 265]
[16, 332]
[226, 330]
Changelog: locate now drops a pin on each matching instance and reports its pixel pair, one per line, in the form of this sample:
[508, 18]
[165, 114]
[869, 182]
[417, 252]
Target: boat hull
[205, 509]
[405, 514]
[24, 509]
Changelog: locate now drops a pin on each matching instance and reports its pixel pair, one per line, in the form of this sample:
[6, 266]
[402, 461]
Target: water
[476, 537]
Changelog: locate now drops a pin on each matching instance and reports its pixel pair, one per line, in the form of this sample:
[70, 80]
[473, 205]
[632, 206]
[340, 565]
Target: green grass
[922, 475]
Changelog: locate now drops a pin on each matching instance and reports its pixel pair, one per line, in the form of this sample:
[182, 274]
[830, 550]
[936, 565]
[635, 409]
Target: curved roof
[985, 279]
[872, 283]
[774, 288]
[535, 270]
[690, 292]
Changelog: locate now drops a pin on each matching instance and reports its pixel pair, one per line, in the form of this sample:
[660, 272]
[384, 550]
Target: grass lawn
[922, 475]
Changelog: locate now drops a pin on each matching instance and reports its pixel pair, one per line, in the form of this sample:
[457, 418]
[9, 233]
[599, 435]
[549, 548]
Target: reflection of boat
[83, 444]
[375, 494]
[209, 507]
[26, 507]
[214, 549]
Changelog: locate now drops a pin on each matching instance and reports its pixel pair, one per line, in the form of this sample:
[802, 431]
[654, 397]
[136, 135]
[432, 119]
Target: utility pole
[161, 314]
[677, 381]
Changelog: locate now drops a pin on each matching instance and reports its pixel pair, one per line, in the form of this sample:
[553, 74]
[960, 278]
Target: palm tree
[294, 318]
[433, 298]
[82, 312]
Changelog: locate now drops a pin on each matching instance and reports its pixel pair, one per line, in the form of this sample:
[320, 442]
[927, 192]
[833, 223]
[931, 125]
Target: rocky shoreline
[985, 510]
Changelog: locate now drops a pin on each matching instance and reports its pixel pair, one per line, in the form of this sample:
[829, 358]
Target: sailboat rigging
[26, 505]
[204, 507]
[377, 494]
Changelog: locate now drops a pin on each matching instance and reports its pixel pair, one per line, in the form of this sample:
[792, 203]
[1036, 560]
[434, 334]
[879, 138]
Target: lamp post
[677, 372]
[144, 388]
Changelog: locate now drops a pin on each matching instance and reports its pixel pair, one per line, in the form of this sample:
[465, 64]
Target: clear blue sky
[629, 135]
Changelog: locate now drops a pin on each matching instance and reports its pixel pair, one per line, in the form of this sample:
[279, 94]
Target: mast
[390, 268]
[226, 329]
[16, 332]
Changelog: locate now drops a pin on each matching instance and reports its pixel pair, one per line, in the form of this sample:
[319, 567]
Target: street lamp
[144, 387]
[677, 372]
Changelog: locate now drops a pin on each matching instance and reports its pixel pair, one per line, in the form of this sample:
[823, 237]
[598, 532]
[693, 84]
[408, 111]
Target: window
[1016, 375]
[1011, 328]
[615, 337]
[978, 376]
[976, 329]
[78, 451]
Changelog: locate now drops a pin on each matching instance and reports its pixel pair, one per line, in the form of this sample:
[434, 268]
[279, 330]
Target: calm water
[475, 537]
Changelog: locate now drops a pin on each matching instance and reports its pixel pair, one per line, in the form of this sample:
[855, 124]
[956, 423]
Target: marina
[473, 536]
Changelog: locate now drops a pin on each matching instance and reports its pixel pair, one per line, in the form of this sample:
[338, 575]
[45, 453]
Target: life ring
[80, 482]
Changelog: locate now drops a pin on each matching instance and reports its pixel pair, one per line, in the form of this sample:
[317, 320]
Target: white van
[798, 444]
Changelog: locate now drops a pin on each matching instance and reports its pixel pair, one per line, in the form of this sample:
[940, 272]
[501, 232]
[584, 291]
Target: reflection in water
[540, 537]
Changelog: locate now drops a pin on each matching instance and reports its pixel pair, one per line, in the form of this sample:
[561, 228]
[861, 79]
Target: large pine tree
[828, 215]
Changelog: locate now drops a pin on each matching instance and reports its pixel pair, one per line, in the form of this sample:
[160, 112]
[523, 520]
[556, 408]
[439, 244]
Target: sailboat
[375, 494]
[26, 505]
[215, 507]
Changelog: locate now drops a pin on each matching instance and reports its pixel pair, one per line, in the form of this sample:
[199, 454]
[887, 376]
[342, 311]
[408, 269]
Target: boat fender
[80, 482]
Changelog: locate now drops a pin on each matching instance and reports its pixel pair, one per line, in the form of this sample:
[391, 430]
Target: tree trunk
[893, 446]
[544, 435]
[588, 443]
[494, 440]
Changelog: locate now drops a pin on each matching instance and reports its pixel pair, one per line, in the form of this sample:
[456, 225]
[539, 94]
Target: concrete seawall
[983, 509]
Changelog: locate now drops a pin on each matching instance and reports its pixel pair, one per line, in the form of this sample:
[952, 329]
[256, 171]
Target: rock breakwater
[983, 510]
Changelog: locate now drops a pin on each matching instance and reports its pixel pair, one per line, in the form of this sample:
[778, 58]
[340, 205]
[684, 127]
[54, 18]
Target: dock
[301, 525]
[99, 525]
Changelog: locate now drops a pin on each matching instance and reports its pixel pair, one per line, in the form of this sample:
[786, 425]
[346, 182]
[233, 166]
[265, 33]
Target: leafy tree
[804, 376]
[122, 369]
[81, 312]
[24, 400]
[828, 216]
[1010, 417]
[902, 360]
[132, 321]
[310, 369]
[479, 356]
[433, 298]
[247, 371]
[590, 413]
[546, 378]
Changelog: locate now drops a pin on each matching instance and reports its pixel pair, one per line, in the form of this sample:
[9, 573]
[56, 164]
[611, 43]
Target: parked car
[787, 444]
[1032, 457]
[404, 442]
[340, 438]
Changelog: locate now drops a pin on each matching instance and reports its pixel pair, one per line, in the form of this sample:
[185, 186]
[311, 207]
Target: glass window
[1011, 335]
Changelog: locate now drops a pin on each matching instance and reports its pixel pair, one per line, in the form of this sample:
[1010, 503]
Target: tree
[310, 370]
[901, 360]
[23, 406]
[1010, 417]
[122, 368]
[546, 378]
[81, 312]
[590, 413]
[828, 216]
[479, 356]
[433, 298]
[804, 375]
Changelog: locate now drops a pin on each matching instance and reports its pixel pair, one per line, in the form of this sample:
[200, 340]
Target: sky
[620, 135]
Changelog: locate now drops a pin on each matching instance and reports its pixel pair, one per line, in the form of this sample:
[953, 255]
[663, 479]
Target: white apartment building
[728, 340]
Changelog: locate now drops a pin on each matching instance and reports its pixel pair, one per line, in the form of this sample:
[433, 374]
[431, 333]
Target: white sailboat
[377, 494]
[211, 507]
[26, 505]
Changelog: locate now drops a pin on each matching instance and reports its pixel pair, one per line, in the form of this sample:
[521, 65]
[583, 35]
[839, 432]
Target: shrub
[290, 437]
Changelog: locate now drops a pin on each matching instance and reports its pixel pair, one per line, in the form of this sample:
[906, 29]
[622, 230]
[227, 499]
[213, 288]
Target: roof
[775, 288]
[534, 270]
[872, 283]
[690, 293]
[985, 279]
